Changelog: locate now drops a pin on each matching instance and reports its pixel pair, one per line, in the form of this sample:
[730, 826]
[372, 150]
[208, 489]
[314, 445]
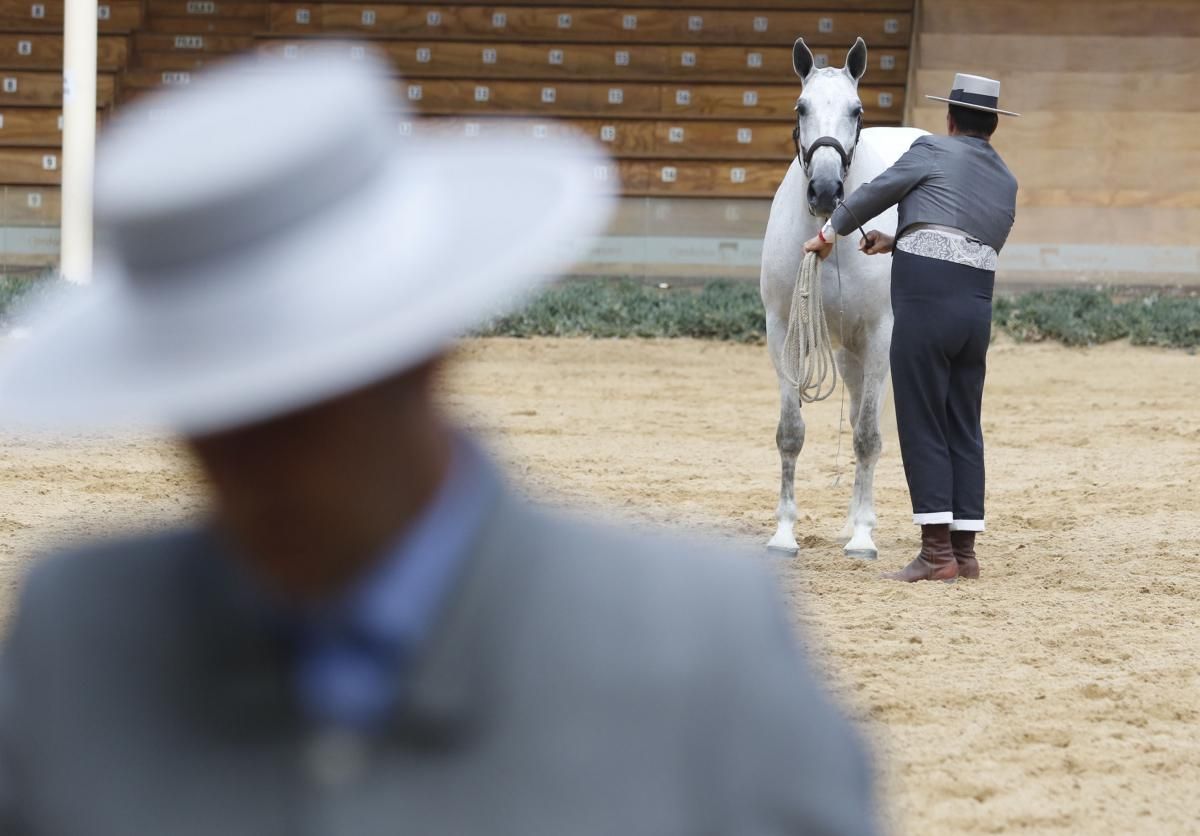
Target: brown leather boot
[963, 543]
[935, 562]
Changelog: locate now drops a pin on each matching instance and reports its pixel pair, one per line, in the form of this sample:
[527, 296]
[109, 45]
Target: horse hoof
[784, 540]
[863, 554]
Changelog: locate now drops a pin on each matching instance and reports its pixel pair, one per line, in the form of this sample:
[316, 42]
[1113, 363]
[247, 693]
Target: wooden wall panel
[1173, 18]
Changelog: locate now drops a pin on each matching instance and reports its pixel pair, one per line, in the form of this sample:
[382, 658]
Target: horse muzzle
[824, 195]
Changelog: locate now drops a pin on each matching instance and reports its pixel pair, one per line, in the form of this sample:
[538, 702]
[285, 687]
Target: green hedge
[721, 311]
[733, 311]
[1088, 317]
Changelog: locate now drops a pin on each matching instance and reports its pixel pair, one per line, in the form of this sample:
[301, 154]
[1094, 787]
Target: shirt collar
[396, 604]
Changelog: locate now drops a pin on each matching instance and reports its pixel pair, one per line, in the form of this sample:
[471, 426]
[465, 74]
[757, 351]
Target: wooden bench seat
[30, 166]
[202, 44]
[576, 24]
[813, 5]
[45, 52]
[203, 25]
[19, 88]
[31, 127]
[686, 178]
[30, 206]
[631, 138]
[581, 98]
[47, 16]
[208, 9]
[603, 62]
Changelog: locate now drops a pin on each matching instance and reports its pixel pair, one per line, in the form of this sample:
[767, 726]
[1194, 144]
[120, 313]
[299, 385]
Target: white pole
[79, 137]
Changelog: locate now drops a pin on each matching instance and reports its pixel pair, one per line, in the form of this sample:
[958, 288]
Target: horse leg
[852, 374]
[789, 437]
[867, 446]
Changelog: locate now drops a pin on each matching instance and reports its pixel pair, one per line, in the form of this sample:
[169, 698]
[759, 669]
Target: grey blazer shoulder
[583, 680]
[955, 181]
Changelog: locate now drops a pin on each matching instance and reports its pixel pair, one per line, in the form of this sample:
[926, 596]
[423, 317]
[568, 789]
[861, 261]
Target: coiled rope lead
[808, 361]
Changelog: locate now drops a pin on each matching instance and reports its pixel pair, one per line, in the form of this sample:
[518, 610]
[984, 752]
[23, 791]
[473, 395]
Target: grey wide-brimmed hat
[266, 240]
[975, 92]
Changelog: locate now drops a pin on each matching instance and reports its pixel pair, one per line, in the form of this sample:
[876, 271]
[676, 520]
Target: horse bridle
[805, 155]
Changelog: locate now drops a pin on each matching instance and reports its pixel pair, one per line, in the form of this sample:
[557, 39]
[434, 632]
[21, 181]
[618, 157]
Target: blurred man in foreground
[372, 634]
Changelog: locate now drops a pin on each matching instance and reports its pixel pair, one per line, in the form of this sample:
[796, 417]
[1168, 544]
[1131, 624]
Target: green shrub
[721, 310]
[733, 311]
[729, 310]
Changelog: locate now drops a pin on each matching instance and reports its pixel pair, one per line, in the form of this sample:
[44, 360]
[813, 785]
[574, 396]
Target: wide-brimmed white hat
[266, 241]
[975, 92]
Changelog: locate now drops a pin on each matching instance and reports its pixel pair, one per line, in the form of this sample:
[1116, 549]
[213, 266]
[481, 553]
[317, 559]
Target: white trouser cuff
[933, 519]
[966, 525]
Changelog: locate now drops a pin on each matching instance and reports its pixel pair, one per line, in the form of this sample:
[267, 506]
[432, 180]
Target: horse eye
[802, 108]
[856, 111]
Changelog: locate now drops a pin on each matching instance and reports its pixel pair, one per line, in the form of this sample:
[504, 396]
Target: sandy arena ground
[1057, 695]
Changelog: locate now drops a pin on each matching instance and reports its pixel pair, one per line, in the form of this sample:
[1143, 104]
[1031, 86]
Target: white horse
[838, 159]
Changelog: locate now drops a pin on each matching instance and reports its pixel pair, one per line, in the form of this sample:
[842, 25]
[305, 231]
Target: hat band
[974, 98]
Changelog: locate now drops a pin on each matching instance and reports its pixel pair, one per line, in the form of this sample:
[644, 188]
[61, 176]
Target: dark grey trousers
[943, 320]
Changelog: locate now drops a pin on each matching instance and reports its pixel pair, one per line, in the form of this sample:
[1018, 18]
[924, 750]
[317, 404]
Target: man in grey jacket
[957, 203]
[371, 634]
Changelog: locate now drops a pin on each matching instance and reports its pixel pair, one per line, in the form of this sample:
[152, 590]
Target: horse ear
[856, 59]
[802, 59]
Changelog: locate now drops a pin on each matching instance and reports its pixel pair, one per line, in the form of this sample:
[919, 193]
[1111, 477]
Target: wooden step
[200, 25]
[30, 206]
[631, 138]
[596, 25]
[696, 101]
[31, 127]
[198, 44]
[791, 5]
[217, 9]
[45, 52]
[18, 16]
[685, 178]
[30, 166]
[173, 62]
[44, 89]
[453, 97]
[607, 62]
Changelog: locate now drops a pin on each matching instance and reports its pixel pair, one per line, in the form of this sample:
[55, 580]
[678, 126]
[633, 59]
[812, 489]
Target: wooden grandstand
[693, 98]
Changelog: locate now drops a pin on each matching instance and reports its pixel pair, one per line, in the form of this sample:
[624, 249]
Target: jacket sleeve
[791, 762]
[889, 188]
[15, 654]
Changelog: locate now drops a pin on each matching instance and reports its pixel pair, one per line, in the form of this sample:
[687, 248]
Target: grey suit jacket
[955, 181]
[581, 681]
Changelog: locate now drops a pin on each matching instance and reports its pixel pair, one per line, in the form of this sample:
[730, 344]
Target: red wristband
[821, 235]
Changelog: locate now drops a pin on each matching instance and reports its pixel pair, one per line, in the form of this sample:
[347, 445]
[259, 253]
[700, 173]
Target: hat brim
[451, 233]
[973, 106]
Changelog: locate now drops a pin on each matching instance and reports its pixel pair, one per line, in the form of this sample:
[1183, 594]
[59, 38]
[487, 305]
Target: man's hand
[876, 243]
[821, 248]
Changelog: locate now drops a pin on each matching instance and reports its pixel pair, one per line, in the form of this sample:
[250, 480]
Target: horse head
[828, 121]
